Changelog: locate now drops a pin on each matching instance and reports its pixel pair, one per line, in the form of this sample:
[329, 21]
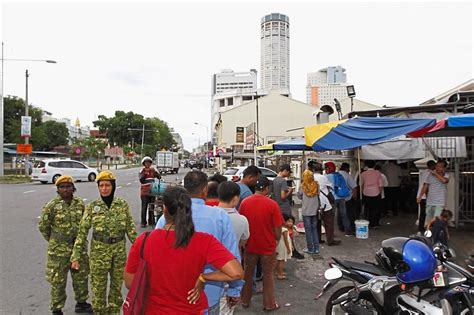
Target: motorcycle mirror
[427, 233]
[333, 274]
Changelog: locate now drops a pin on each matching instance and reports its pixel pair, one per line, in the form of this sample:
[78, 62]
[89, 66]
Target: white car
[235, 173]
[46, 171]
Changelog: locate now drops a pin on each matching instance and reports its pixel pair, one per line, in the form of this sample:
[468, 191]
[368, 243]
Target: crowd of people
[216, 238]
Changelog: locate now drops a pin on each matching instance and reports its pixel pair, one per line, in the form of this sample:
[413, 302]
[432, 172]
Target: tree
[90, 147]
[14, 108]
[56, 134]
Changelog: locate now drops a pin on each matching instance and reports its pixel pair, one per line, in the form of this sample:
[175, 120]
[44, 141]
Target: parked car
[235, 173]
[46, 171]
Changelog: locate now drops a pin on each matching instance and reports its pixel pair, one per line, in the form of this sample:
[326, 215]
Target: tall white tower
[275, 52]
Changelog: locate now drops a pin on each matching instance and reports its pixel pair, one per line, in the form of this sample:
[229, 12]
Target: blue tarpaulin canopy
[292, 144]
[461, 121]
[358, 131]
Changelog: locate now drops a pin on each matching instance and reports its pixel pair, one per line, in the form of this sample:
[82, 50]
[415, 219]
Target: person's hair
[377, 167]
[430, 163]
[446, 214]
[212, 189]
[311, 164]
[251, 170]
[218, 178]
[178, 204]
[195, 181]
[287, 217]
[445, 164]
[318, 167]
[370, 163]
[345, 167]
[227, 191]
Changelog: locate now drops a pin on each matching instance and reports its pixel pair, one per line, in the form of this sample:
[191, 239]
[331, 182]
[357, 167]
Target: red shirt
[174, 271]
[263, 215]
[213, 202]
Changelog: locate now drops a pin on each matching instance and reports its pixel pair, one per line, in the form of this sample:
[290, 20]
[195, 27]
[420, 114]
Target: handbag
[330, 196]
[134, 303]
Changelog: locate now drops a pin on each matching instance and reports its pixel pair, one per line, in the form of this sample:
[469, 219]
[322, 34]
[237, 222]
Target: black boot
[83, 307]
[57, 312]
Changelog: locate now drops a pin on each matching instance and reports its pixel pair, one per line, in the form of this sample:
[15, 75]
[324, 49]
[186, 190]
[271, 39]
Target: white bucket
[362, 229]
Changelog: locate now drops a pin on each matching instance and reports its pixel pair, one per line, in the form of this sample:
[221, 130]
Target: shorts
[431, 212]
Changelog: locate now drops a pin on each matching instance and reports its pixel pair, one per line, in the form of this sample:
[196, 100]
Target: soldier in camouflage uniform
[110, 219]
[59, 224]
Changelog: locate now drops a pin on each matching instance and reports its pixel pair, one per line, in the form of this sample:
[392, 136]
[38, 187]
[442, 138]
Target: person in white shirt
[351, 200]
[393, 172]
[430, 166]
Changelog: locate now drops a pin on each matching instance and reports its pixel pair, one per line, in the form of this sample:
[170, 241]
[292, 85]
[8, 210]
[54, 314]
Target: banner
[250, 134]
[239, 134]
[26, 126]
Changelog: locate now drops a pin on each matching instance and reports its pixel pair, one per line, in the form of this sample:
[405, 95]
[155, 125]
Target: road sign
[78, 151]
[26, 126]
[24, 148]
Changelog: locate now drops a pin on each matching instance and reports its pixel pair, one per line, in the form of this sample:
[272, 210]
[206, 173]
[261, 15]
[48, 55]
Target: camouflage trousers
[107, 262]
[57, 269]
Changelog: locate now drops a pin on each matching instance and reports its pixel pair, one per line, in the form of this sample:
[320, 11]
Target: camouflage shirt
[60, 218]
[110, 222]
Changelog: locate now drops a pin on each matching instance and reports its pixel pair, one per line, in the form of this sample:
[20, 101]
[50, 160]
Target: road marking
[84, 199]
[128, 184]
[119, 187]
[136, 181]
[38, 217]
[29, 191]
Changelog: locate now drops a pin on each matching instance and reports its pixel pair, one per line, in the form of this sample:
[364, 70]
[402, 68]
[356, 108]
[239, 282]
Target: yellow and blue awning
[355, 132]
[295, 144]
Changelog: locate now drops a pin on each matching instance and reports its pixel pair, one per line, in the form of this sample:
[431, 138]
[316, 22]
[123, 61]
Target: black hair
[218, 178]
[228, 190]
[195, 181]
[178, 203]
[287, 217]
[311, 164]
[345, 166]
[318, 167]
[447, 214]
[445, 163]
[430, 164]
[251, 170]
[377, 167]
[370, 163]
[212, 189]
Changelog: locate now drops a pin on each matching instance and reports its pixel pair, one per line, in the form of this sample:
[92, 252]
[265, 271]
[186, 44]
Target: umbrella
[355, 132]
[453, 126]
[296, 144]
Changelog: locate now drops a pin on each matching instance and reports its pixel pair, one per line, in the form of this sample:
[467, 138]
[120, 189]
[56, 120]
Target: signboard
[239, 134]
[78, 151]
[24, 148]
[26, 126]
[250, 134]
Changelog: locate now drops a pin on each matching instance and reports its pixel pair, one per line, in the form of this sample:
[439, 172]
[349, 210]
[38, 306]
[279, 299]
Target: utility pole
[27, 138]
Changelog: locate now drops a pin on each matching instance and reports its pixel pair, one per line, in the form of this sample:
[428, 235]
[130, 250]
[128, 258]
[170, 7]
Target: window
[222, 103]
[53, 164]
[64, 164]
[77, 165]
[230, 101]
[268, 173]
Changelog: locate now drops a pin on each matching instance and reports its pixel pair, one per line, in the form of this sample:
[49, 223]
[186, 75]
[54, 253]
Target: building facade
[275, 52]
[76, 131]
[325, 85]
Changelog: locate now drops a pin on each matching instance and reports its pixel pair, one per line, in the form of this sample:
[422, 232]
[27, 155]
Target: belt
[107, 239]
[62, 237]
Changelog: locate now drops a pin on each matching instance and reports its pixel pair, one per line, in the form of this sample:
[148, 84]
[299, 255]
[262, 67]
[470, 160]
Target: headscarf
[110, 198]
[331, 167]
[310, 186]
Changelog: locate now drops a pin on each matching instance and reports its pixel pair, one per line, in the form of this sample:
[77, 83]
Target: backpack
[340, 186]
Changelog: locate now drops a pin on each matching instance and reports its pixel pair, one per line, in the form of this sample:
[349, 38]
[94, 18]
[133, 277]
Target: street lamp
[338, 108]
[2, 109]
[207, 142]
[256, 139]
[143, 135]
[351, 93]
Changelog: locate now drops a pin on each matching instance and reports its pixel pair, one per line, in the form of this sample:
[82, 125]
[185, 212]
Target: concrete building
[325, 85]
[179, 141]
[227, 79]
[275, 52]
[76, 131]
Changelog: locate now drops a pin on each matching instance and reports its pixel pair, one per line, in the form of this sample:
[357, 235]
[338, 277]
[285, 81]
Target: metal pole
[352, 104]
[255, 141]
[143, 139]
[2, 124]
[27, 139]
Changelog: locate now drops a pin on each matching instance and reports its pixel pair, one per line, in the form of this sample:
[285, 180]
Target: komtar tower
[275, 52]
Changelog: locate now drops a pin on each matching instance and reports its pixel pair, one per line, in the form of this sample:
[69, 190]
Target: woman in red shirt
[176, 256]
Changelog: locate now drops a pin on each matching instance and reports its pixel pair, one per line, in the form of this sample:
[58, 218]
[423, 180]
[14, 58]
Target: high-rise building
[326, 85]
[275, 52]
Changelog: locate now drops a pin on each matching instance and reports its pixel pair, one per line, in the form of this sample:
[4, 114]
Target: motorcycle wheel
[338, 309]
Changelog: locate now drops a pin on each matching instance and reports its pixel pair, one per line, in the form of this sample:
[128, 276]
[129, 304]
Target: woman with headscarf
[176, 256]
[110, 219]
[309, 194]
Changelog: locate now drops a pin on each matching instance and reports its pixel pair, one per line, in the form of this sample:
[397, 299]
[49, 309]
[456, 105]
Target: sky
[157, 58]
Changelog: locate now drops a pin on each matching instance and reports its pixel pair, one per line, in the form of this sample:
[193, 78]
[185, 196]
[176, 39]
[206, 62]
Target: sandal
[282, 277]
[273, 308]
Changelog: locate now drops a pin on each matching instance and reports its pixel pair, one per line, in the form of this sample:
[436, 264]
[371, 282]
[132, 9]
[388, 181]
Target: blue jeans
[310, 223]
[340, 205]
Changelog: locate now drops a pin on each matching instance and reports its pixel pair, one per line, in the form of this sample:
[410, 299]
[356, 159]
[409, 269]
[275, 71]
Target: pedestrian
[215, 221]
[110, 220]
[436, 189]
[284, 248]
[344, 170]
[265, 222]
[326, 206]
[176, 256]
[59, 223]
[247, 183]
[280, 189]
[341, 192]
[439, 227]
[309, 195]
[393, 172]
[229, 193]
[383, 199]
[212, 199]
[430, 166]
[147, 175]
[372, 187]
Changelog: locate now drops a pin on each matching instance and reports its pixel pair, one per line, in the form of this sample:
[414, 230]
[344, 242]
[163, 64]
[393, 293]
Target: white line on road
[84, 199]
[29, 191]
[136, 181]
[119, 187]
[128, 184]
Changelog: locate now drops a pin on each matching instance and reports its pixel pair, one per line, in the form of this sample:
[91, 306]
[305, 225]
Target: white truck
[167, 162]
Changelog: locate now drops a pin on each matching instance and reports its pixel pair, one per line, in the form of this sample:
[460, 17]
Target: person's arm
[285, 190]
[277, 230]
[439, 177]
[161, 222]
[131, 231]
[285, 239]
[430, 225]
[81, 239]
[423, 191]
[133, 260]
[46, 220]
[229, 240]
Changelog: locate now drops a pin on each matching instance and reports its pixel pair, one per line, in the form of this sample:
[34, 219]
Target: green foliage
[90, 147]
[157, 134]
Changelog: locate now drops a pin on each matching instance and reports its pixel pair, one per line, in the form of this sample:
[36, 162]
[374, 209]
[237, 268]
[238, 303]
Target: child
[284, 247]
[439, 227]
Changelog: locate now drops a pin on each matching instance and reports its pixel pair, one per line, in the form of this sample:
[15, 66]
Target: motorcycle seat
[369, 268]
